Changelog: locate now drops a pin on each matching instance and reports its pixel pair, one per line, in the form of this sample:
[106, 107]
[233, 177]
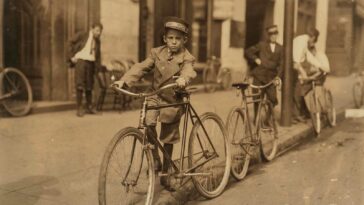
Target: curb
[296, 139]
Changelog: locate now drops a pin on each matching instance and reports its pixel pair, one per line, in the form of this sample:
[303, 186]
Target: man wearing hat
[171, 59]
[268, 56]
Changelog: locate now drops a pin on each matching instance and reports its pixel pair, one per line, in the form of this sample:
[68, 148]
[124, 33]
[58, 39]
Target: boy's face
[96, 31]
[175, 40]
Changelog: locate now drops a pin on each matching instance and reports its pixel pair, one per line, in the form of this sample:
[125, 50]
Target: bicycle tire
[316, 122]
[209, 79]
[330, 111]
[224, 78]
[218, 168]
[143, 196]
[240, 142]
[19, 104]
[358, 94]
[267, 127]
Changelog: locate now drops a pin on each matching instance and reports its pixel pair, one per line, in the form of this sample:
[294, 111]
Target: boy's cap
[176, 23]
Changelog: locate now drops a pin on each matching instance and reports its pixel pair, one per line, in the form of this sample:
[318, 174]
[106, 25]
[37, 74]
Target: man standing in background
[267, 55]
[303, 58]
[84, 55]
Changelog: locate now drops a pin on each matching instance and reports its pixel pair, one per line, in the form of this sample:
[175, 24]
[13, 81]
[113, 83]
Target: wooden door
[23, 20]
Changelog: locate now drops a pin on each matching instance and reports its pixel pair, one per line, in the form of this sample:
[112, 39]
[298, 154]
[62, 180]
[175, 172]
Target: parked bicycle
[214, 76]
[15, 92]
[320, 103]
[127, 169]
[358, 89]
[244, 137]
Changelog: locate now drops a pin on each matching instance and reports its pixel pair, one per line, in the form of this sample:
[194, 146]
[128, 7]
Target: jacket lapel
[168, 69]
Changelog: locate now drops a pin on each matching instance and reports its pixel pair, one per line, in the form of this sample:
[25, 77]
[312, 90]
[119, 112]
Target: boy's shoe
[164, 182]
[80, 112]
[157, 165]
[90, 110]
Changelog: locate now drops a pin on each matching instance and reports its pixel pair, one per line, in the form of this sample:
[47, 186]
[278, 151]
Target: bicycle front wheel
[240, 142]
[267, 131]
[127, 173]
[17, 87]
[316, 121]
[330, 111]
[209, 155]
[358, 94]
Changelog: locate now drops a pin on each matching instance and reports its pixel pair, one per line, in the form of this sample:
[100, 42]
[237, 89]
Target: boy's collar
[178, 57]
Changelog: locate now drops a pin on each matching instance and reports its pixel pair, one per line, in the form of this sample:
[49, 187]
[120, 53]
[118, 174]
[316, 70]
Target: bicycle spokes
[128, 174]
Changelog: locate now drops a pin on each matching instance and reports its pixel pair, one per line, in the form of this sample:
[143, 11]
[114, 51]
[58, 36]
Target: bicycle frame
[190, 115]
[244, 104]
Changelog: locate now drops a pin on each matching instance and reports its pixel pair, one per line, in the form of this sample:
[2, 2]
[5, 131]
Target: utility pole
[287, 92]
[210, 17]
[143, 14]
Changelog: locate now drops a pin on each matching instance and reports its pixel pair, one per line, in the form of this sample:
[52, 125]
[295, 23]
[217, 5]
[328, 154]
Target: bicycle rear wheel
[209, 79]
[358, 94]
[127, 171]
[267, 131]
[330, 111]
[209, 155]
[240, 142]
[15, 84]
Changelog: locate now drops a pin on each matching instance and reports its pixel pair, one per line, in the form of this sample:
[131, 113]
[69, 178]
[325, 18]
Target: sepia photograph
[181, 102]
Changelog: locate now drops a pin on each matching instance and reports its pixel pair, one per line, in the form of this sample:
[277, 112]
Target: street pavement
[328, 170]
[54, 158]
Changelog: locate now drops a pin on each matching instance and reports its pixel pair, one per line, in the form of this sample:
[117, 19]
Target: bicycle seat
[242, 86]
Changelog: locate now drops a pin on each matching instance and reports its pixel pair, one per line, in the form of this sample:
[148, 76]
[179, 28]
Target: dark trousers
[299, 106]
[270, 91]
[84, 80]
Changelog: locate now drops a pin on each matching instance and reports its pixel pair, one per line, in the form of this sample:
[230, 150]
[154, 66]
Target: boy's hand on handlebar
[119, 84]
[181, 82]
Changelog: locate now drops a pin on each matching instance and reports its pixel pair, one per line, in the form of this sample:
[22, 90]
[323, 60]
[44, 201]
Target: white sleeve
[299, 49]
[325, 65]
[313, 60]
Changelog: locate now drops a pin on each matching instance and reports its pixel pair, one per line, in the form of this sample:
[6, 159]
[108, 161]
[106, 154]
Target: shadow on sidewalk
[28, 190]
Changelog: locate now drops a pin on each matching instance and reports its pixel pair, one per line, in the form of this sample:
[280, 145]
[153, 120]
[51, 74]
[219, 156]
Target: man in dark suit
[268, 56]
[84, 55]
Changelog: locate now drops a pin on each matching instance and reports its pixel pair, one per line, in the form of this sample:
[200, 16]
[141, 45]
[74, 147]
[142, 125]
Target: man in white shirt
[303, 58]
[85, 57]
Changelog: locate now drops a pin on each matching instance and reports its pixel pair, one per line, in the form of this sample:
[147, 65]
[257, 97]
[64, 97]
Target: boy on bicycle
[167, 62]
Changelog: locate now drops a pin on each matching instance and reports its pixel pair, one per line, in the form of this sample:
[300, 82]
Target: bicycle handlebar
[140, 95]
[277, 82]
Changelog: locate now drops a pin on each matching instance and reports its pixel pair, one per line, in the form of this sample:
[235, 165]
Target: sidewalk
[54, 158]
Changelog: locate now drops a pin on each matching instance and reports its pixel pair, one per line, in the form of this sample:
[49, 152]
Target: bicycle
[15, 92]
[208, 156]
[215, 76]
[320, 103]
[245, 137]
[358, 90]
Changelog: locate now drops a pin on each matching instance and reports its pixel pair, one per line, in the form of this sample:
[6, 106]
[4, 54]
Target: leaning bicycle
[244, 136]
[127, 169]
[215, 76]
[320, 103]
[358, 89]
[15, 92]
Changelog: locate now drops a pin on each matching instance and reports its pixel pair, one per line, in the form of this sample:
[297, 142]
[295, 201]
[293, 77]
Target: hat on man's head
[176, 24]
